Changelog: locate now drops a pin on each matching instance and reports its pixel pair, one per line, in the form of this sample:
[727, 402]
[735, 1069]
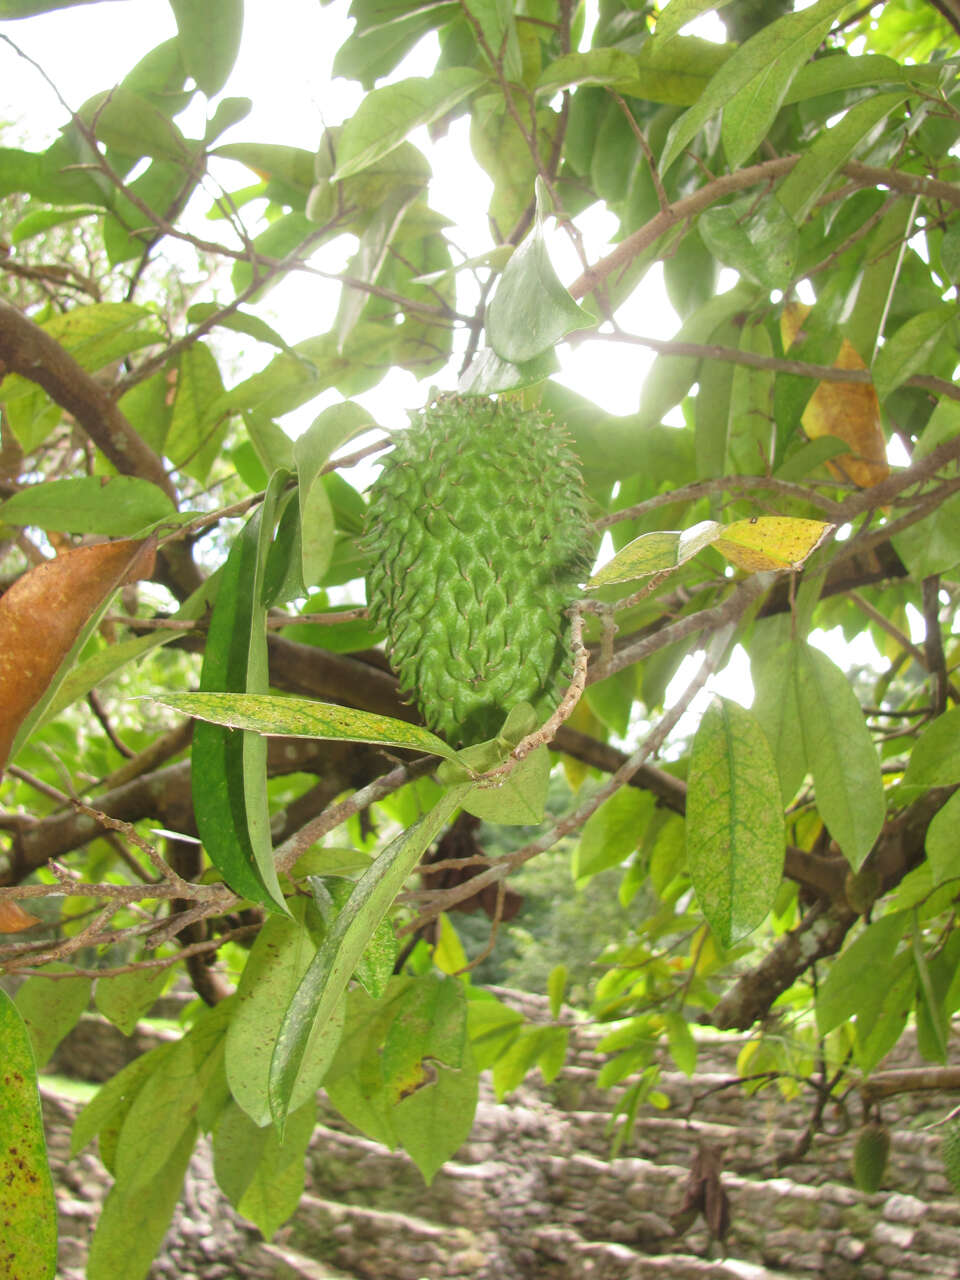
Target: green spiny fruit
[479, 533]
[950, 1152]
[870, 1157]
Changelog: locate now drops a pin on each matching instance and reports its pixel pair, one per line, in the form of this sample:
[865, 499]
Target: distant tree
[793, 870]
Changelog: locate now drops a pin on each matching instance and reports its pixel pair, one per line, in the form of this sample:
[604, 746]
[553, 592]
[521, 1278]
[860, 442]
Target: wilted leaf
[13, 918]
[848, 410]
[43, 614]
[771, 542]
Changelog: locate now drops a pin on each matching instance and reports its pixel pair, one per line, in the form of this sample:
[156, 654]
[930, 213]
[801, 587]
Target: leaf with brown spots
[28, 1207]
[46, 614]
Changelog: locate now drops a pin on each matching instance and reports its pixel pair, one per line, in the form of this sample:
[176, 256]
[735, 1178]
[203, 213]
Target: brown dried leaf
[45, 610]
[848, 410]
[13, 918]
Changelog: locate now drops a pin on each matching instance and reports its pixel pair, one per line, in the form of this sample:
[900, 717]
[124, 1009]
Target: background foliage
[791, 467]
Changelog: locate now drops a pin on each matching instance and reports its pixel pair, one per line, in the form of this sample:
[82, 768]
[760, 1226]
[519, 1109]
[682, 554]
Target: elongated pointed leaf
[219, 768]
[735, 830]
[117, 506]
[28, 1207]
[840, 754]
[280, 957]
[531, 310]
[855, 985]
[319, 994]
[910, 348]
[272, 714]
[753, 83]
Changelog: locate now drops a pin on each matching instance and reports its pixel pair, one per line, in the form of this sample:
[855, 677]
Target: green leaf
[28, 1207]
[840, 754]
[531, 310]
[933, 1025]
[333, 428]
[757, 238]
[496, 22]
[274, 714]
[387, 115]
[35, 224]
[126, 997]
[520, 799]
[943, 850]
[857, 977]
[133, 1222]
[114, 506]
[935, 760]
[830, 151]
[210, 39]
[132, 125]
[219, 770]
[735, 833]
[107, 1109]
[488, 374]
[262, 1177]
[50, 1008]
[86, 675]
[557, 988]
[321, 991]
[751, 86]
[429, 1073]
[775, 705]
[680, 1041]
[882, 1017]
[656, 552]
[612, 832]
[240, 322]
[166, 1105]
[198, 421]
[281, 955]
[593, 66]
[908, 351]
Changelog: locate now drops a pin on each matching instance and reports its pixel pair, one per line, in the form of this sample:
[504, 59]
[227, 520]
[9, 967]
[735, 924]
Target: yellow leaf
[771, 542]
[848, 410]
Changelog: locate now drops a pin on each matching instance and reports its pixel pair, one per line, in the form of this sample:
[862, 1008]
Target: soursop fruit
[870, 1154]
[950, 1152]
[478, 529]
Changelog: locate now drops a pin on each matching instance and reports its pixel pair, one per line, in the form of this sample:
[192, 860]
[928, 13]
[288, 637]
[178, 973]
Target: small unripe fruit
[870, 1156]
[479, 533]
